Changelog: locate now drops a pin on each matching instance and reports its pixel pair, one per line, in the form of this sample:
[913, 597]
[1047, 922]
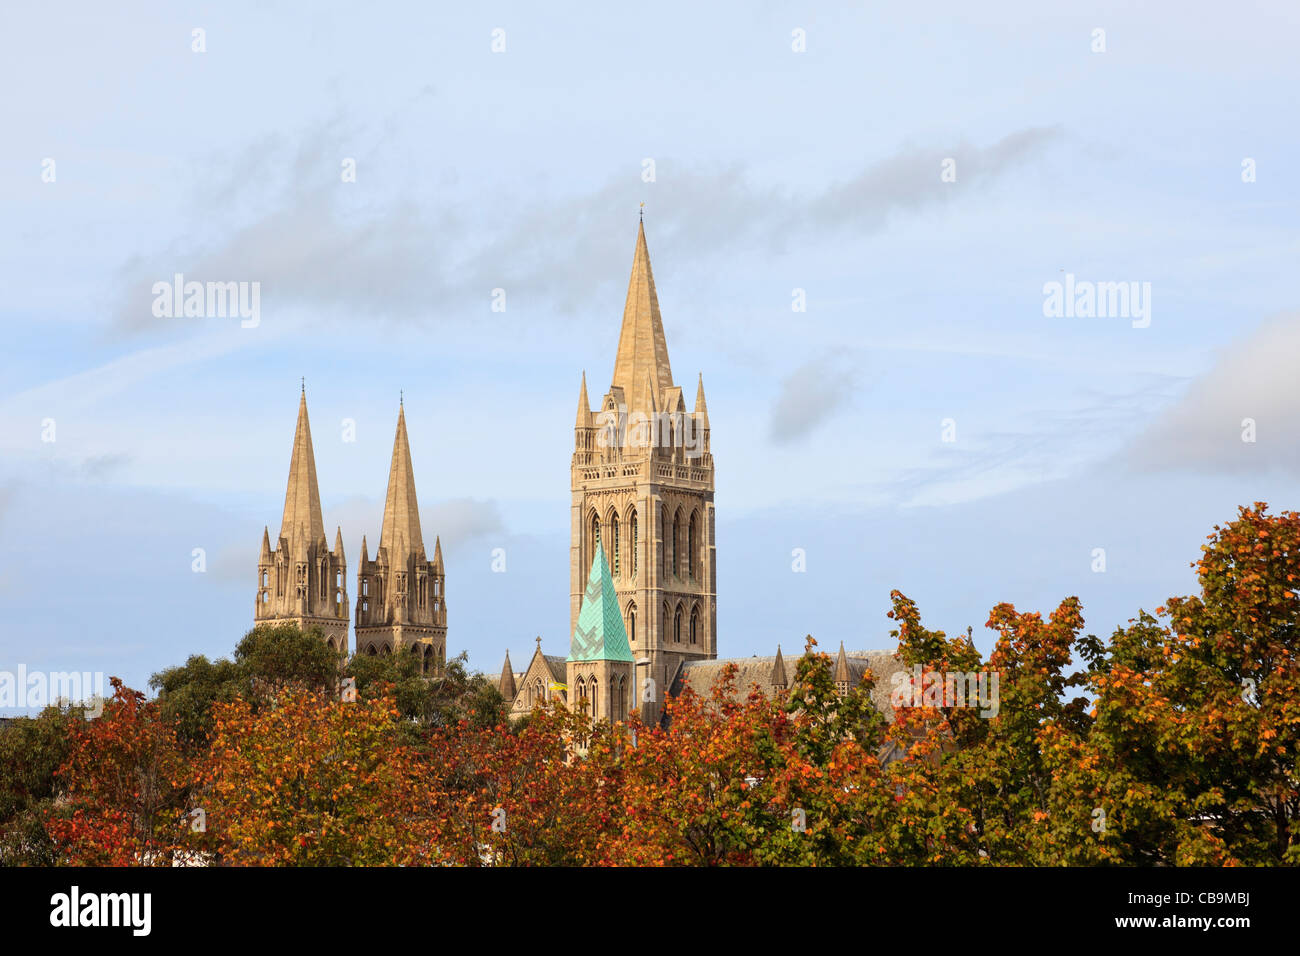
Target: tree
[124, 787]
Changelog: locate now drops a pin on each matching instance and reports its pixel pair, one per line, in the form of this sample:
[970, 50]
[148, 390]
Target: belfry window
[613, 541]
[635, 542]
[692, 549]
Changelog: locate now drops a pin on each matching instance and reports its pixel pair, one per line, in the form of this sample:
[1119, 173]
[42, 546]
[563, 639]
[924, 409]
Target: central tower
[642, 484]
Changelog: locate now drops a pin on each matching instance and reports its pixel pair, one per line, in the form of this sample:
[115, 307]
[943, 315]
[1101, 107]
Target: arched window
[631, 623]
[663, 534]
[695, 625]
[677, 625]
[663, 623]
[677, 520]
[580, 695]
[370, 650]
[619, 701]
[635, 542]
[693, 547]
[593, 539]
[324, 580]
[613, 541]
[595, 699]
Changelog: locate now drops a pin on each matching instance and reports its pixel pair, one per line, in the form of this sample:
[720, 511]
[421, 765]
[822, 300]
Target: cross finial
[539, 642]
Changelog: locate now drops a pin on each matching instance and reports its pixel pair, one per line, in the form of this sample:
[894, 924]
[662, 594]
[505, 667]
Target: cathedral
[401, 602]
[643, 597]
[643, 594]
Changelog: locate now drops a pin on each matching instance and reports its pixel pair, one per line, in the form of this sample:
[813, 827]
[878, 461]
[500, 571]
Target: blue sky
[775, 170]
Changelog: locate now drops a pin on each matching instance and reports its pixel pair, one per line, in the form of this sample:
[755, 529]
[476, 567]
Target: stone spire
[600, 634]
[701, 410]
[302, 515]
[400, 532]
[842, 675]
[778, 678]
[300, 581]
[401, 599]
[507, 683]
[642, 348]
[584, 407]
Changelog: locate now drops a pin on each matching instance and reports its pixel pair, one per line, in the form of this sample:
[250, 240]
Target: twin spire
[400, 532]
[302, 513]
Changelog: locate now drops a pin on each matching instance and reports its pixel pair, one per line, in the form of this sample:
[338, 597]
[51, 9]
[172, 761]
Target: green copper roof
[600, 634]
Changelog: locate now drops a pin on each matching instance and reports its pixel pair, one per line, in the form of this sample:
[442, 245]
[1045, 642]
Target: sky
[853, 212]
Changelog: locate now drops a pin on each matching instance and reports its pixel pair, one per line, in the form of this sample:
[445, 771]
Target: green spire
[600, 634]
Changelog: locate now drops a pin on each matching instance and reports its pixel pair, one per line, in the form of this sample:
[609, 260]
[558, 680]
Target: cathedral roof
[302, 514]
[400, 533]
[702, 675]
[600, 634]
[642, 348]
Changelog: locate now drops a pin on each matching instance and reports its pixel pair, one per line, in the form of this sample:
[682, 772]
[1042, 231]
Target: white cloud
[1256, 379]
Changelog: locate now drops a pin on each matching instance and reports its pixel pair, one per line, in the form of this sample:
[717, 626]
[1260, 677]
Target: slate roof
[702, 675]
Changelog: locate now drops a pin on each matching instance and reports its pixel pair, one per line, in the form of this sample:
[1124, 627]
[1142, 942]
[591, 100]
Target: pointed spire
[600, 634]
[584, 407]
[778, 670]
[507, 683]
[701, 409]
[642, 348]
[266, 544]
[400, 533]
[842, 675]
[338, 545]
[302, 519]
[437, 552]
[365, 554]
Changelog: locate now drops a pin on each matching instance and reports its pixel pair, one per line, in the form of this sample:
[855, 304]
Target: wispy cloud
[810, 396]
[1240, 416]
[311, 246]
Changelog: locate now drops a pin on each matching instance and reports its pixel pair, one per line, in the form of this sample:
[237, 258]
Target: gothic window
[265, 576]
[663, 623]
[631, 623]
[324, 581]
[539, 690]
[620, 700]
[677, 625]
[663, 534]
[594, 541]
[635, 542]
[613, 541]
[435, 587]
[581, 694]
[595, 699]
[677, 567]
[695, 625]
[365, 587]
[693, 547]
